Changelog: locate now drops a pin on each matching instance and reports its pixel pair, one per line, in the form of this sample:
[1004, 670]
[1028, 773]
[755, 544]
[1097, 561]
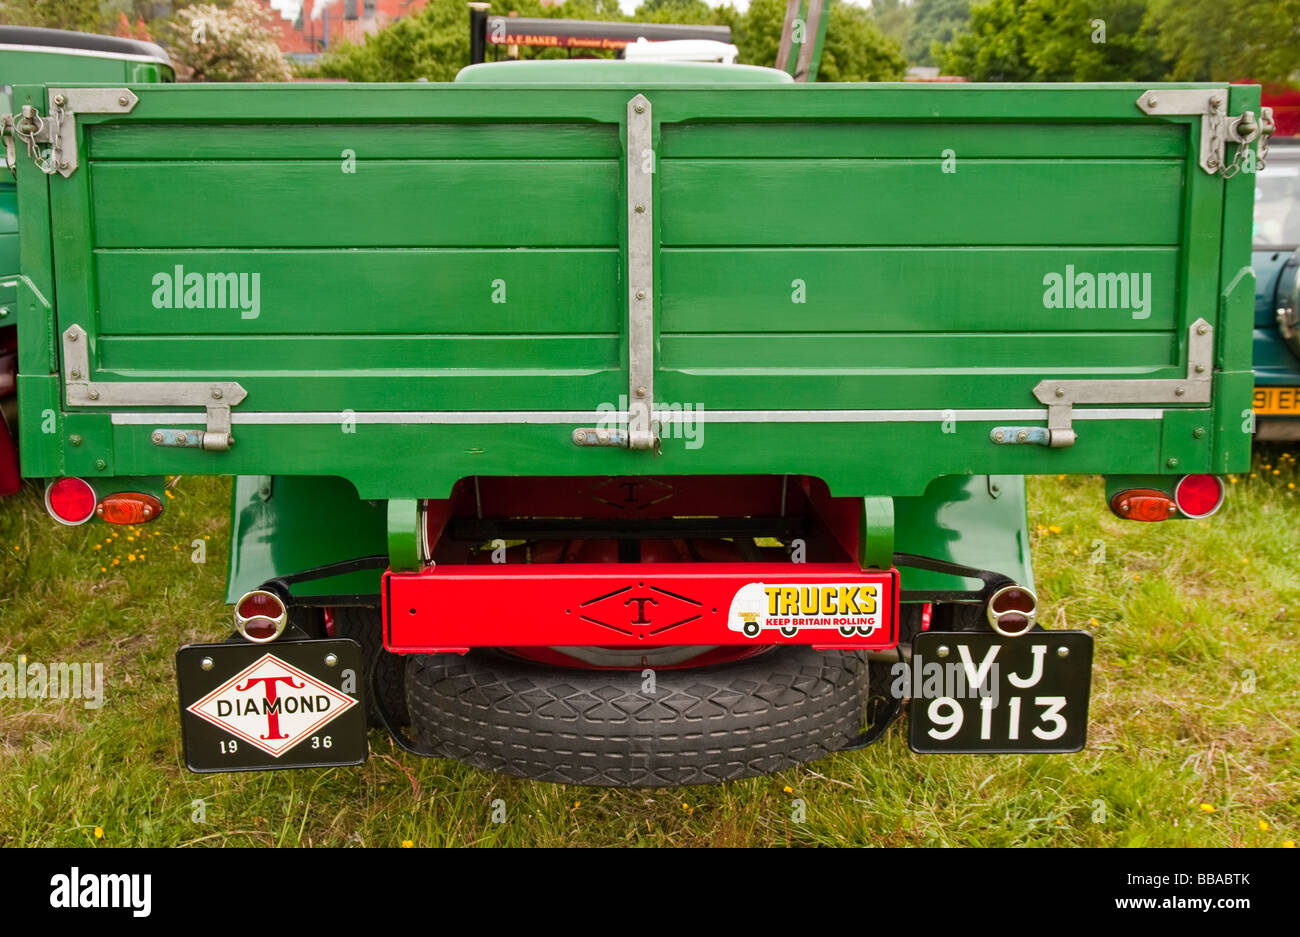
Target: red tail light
[1199, 495]
[1143, 504]
[1012, 611]
[260, 616]
[70, 501]
[128, 507]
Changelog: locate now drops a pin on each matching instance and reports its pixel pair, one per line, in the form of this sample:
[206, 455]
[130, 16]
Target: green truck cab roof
[607, 71]
[31, 55]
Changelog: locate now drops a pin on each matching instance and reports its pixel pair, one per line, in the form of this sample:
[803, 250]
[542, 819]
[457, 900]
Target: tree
[79, 15]
[856, 49]
[231, 43]
[895, 18]
[934, 21]
[1056, 40]
[1223, 41]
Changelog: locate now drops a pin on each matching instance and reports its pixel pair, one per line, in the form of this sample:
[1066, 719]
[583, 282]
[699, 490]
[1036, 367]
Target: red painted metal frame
[454, 608]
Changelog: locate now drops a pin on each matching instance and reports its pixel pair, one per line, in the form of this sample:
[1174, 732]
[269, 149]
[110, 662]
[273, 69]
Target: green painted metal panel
[504, 293]
[850, 201]
[393, 203]
[979, 521]
[8, 251]
[301, 524]
[454, 286]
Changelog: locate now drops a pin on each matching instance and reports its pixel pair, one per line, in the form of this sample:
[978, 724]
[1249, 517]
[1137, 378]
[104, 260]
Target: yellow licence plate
[1277, 400]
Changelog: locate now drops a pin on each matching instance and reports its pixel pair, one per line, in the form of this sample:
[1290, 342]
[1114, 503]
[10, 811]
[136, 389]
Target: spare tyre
[702, 725]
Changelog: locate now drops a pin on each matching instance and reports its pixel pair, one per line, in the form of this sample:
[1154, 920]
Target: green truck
[627, 423]
[27, 55]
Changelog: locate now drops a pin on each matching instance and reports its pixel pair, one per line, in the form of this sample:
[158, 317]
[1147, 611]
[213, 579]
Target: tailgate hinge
[58, 130]
[642, 430]
[216, 397]
[1217, 128]
[1061, 396]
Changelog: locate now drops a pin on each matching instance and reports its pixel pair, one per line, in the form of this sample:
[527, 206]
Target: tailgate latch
[1217, 128]
[216, 397]
[58, 129]
[1061, 396]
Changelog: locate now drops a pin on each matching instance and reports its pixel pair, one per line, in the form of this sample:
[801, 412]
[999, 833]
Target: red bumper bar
[454, 608]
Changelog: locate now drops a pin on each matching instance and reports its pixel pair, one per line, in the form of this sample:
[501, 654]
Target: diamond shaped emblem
[271, 705]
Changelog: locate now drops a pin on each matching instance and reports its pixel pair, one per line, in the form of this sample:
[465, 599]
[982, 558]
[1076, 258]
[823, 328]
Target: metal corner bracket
[1217, 128]
[216, 397]
[1061, 396]
[58, 128]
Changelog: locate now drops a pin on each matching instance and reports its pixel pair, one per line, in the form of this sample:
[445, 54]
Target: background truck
[626, 423]
[27, 55]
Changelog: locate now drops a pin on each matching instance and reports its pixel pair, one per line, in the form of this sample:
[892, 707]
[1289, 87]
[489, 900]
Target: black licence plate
[288, 704]
[978, 692]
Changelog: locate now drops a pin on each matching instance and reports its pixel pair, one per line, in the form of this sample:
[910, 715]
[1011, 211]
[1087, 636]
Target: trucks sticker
[847, 607]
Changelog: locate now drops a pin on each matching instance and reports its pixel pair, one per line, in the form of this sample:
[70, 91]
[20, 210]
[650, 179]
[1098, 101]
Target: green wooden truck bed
[407, 285]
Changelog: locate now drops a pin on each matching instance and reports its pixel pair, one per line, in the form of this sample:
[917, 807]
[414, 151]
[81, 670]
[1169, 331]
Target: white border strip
[498, 417]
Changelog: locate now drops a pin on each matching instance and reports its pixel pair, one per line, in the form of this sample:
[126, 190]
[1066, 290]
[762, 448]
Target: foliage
[1226, 40]
[935, 21]
[856, 49]
[80, 15]
[1056, 40]
[230, 43]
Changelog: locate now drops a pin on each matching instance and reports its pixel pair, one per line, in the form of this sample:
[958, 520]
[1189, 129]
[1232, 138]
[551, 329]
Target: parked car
[630, 423]
[1276, 259]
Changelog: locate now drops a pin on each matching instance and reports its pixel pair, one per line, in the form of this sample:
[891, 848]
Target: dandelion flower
[1054, 529]
[788, 789]
[1263, 826]
[1289, 844]
[407, 844]
[1208, 808]
[99, 832]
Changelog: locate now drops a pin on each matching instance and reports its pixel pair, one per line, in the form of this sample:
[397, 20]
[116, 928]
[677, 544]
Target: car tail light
[1012, 611]
[70, 501]
[128, 507]
[1143, 504]
[260, 616]
[1199, 496]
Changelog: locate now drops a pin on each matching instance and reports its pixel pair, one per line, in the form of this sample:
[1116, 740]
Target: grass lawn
[1193, 737]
